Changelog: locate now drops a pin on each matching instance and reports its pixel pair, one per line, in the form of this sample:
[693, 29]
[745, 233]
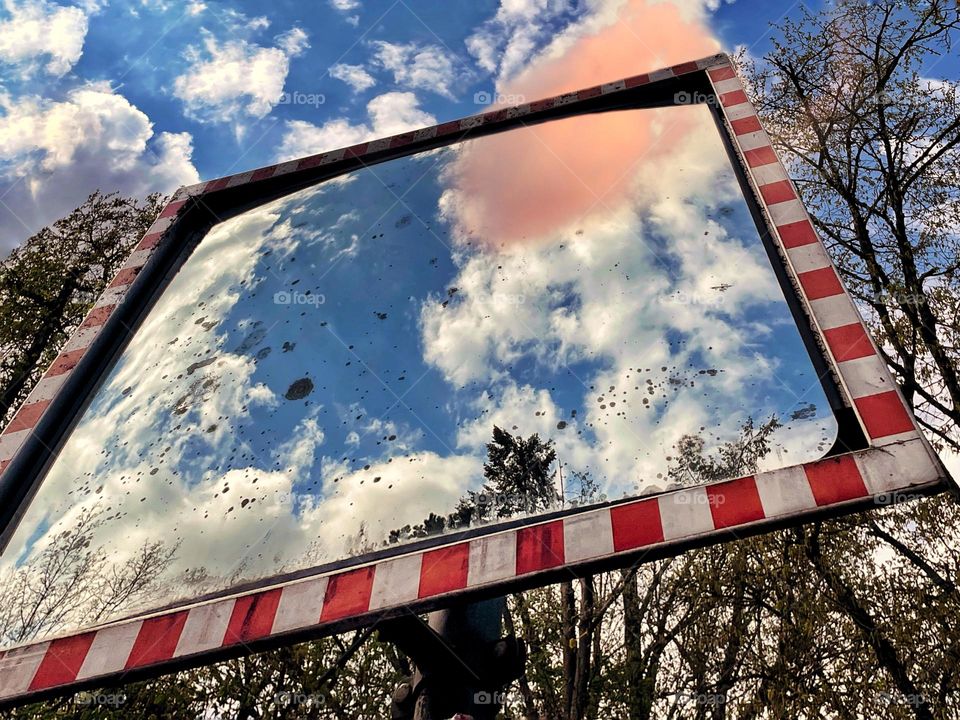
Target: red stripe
[98, 316]
[401, 139]
[62, 661]
[636, 80]
[65, 362]
[263, 173]
[348, 593]
[636, 525]
[27, 416]
[126, 276]
[252, 617]
[848, 342]
[444, 569]
[311, 161]
[737, 97]
[797, 233]
[544, 104]
[746, 125]
[721, 73]
[820, 283]
[356, 150]
[589, 93]
[735, 502]
[884, 414]
[149, 241]
[448, 127]
[495, 116]
[540, 547]
[157, 640]
[760, 156]
[218, 184]
[172, 208]
[777, 192]
[835, 480]
[685, 68]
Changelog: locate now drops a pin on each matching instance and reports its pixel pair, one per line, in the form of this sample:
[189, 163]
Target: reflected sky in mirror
[326, 371]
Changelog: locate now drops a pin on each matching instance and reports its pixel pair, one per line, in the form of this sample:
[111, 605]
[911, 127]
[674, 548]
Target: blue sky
[145, 96]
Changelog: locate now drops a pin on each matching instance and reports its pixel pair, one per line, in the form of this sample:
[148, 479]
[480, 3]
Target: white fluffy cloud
[353, 75]
[426, 67]
[53, 154]
[345, 7]
[37, 34]
[237, 77]
[502, 44]
[388, 114]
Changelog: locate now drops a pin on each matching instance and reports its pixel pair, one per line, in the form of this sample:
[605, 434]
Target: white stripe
[161, 224]
[240, 179]
[300, 605]
[190, 191]
[753, 140]
[425, 133]
[205, 627]
[834, 311]
[587, 536]
[11, 442]
[565, 99]
[492, 558]
[109, 650]
[728, 85]
[686, 512]
[738, 112]
[284, 168]
[769, 173]
[811, 256]
[112, 296]
[82, 338]
[471, 122]
[381, 144]
[396, 581]
[784, 492]
[18, 666]
[786, 212]
[613, 87]
[46, 388]
[713, 62]
[664, 74]
[333, 155]
[903, 437]
[866, 376]
[897, 466]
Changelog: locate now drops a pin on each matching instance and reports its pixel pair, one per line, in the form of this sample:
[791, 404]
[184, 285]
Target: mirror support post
[462, 663]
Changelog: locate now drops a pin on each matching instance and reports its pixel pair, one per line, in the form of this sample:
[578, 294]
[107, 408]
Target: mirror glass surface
[556, 315]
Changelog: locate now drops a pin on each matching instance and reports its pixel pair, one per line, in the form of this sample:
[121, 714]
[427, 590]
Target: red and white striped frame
[862, 372]
[898, 463]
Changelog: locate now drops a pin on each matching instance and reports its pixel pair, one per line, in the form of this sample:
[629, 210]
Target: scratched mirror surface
[555, 315]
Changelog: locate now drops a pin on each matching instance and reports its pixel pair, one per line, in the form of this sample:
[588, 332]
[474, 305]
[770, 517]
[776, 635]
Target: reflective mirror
[555, 315]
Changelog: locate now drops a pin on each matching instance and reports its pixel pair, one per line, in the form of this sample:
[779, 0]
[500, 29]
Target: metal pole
[462, 663]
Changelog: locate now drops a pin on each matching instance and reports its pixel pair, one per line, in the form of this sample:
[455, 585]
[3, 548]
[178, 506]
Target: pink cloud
[522, 185]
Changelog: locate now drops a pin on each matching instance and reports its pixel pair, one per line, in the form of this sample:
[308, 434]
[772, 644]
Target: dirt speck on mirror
[299, 389]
